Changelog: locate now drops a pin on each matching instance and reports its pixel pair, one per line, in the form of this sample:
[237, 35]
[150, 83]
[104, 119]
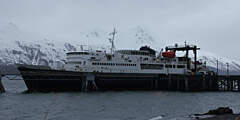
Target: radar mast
[111, 40]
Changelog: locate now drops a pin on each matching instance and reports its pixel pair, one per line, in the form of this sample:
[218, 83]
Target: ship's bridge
[85, 53]
[85, 56]
[77, 57]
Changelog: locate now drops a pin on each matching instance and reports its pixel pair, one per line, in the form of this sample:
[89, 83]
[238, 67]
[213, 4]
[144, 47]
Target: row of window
[78, 53]
[84, 62]
[143, 66]
[151, 66]
[174, 66]
[160, 66]
[113, 64]
[132, 52]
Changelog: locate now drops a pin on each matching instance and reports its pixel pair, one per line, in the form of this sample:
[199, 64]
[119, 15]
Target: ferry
[117, 69]
[144, 60]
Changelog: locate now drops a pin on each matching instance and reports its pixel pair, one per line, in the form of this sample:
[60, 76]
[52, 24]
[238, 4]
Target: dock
[59, 80]
[159, 82]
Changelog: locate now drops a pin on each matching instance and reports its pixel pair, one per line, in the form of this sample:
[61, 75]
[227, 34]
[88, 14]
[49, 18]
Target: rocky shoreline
[221, 113]
[223, 117]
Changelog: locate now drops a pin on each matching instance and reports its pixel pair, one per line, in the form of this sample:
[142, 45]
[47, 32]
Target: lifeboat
[170, 54]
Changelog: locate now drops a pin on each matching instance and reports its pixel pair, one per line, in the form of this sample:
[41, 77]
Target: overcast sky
[212, 24]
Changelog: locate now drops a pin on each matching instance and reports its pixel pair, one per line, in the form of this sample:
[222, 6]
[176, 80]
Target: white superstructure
[125, 61]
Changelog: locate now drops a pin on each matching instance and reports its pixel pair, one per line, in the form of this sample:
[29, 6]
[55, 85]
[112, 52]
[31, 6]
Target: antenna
[111, 40]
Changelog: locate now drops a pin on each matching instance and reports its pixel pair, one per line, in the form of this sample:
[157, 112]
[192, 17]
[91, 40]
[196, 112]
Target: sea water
[110, 105]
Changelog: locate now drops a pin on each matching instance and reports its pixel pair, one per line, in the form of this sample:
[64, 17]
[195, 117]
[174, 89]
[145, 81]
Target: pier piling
[89, 83]
[204, 87]
[238, 82]
[210, 83]
[186, 83]
[2, 90]
[169, 82]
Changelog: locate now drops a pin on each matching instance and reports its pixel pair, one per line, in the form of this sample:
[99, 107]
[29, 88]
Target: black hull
[56, 85]
[74, 85]
[57, 80]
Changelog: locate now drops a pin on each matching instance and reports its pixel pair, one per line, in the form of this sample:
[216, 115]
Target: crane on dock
[186, 48]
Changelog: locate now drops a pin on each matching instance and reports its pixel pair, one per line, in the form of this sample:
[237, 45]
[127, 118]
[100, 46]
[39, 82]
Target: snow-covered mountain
[212, 59]
[16, 48]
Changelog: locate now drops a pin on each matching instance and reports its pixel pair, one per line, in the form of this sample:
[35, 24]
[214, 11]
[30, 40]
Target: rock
[238, 118]
[220, 111]
[222, 117]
